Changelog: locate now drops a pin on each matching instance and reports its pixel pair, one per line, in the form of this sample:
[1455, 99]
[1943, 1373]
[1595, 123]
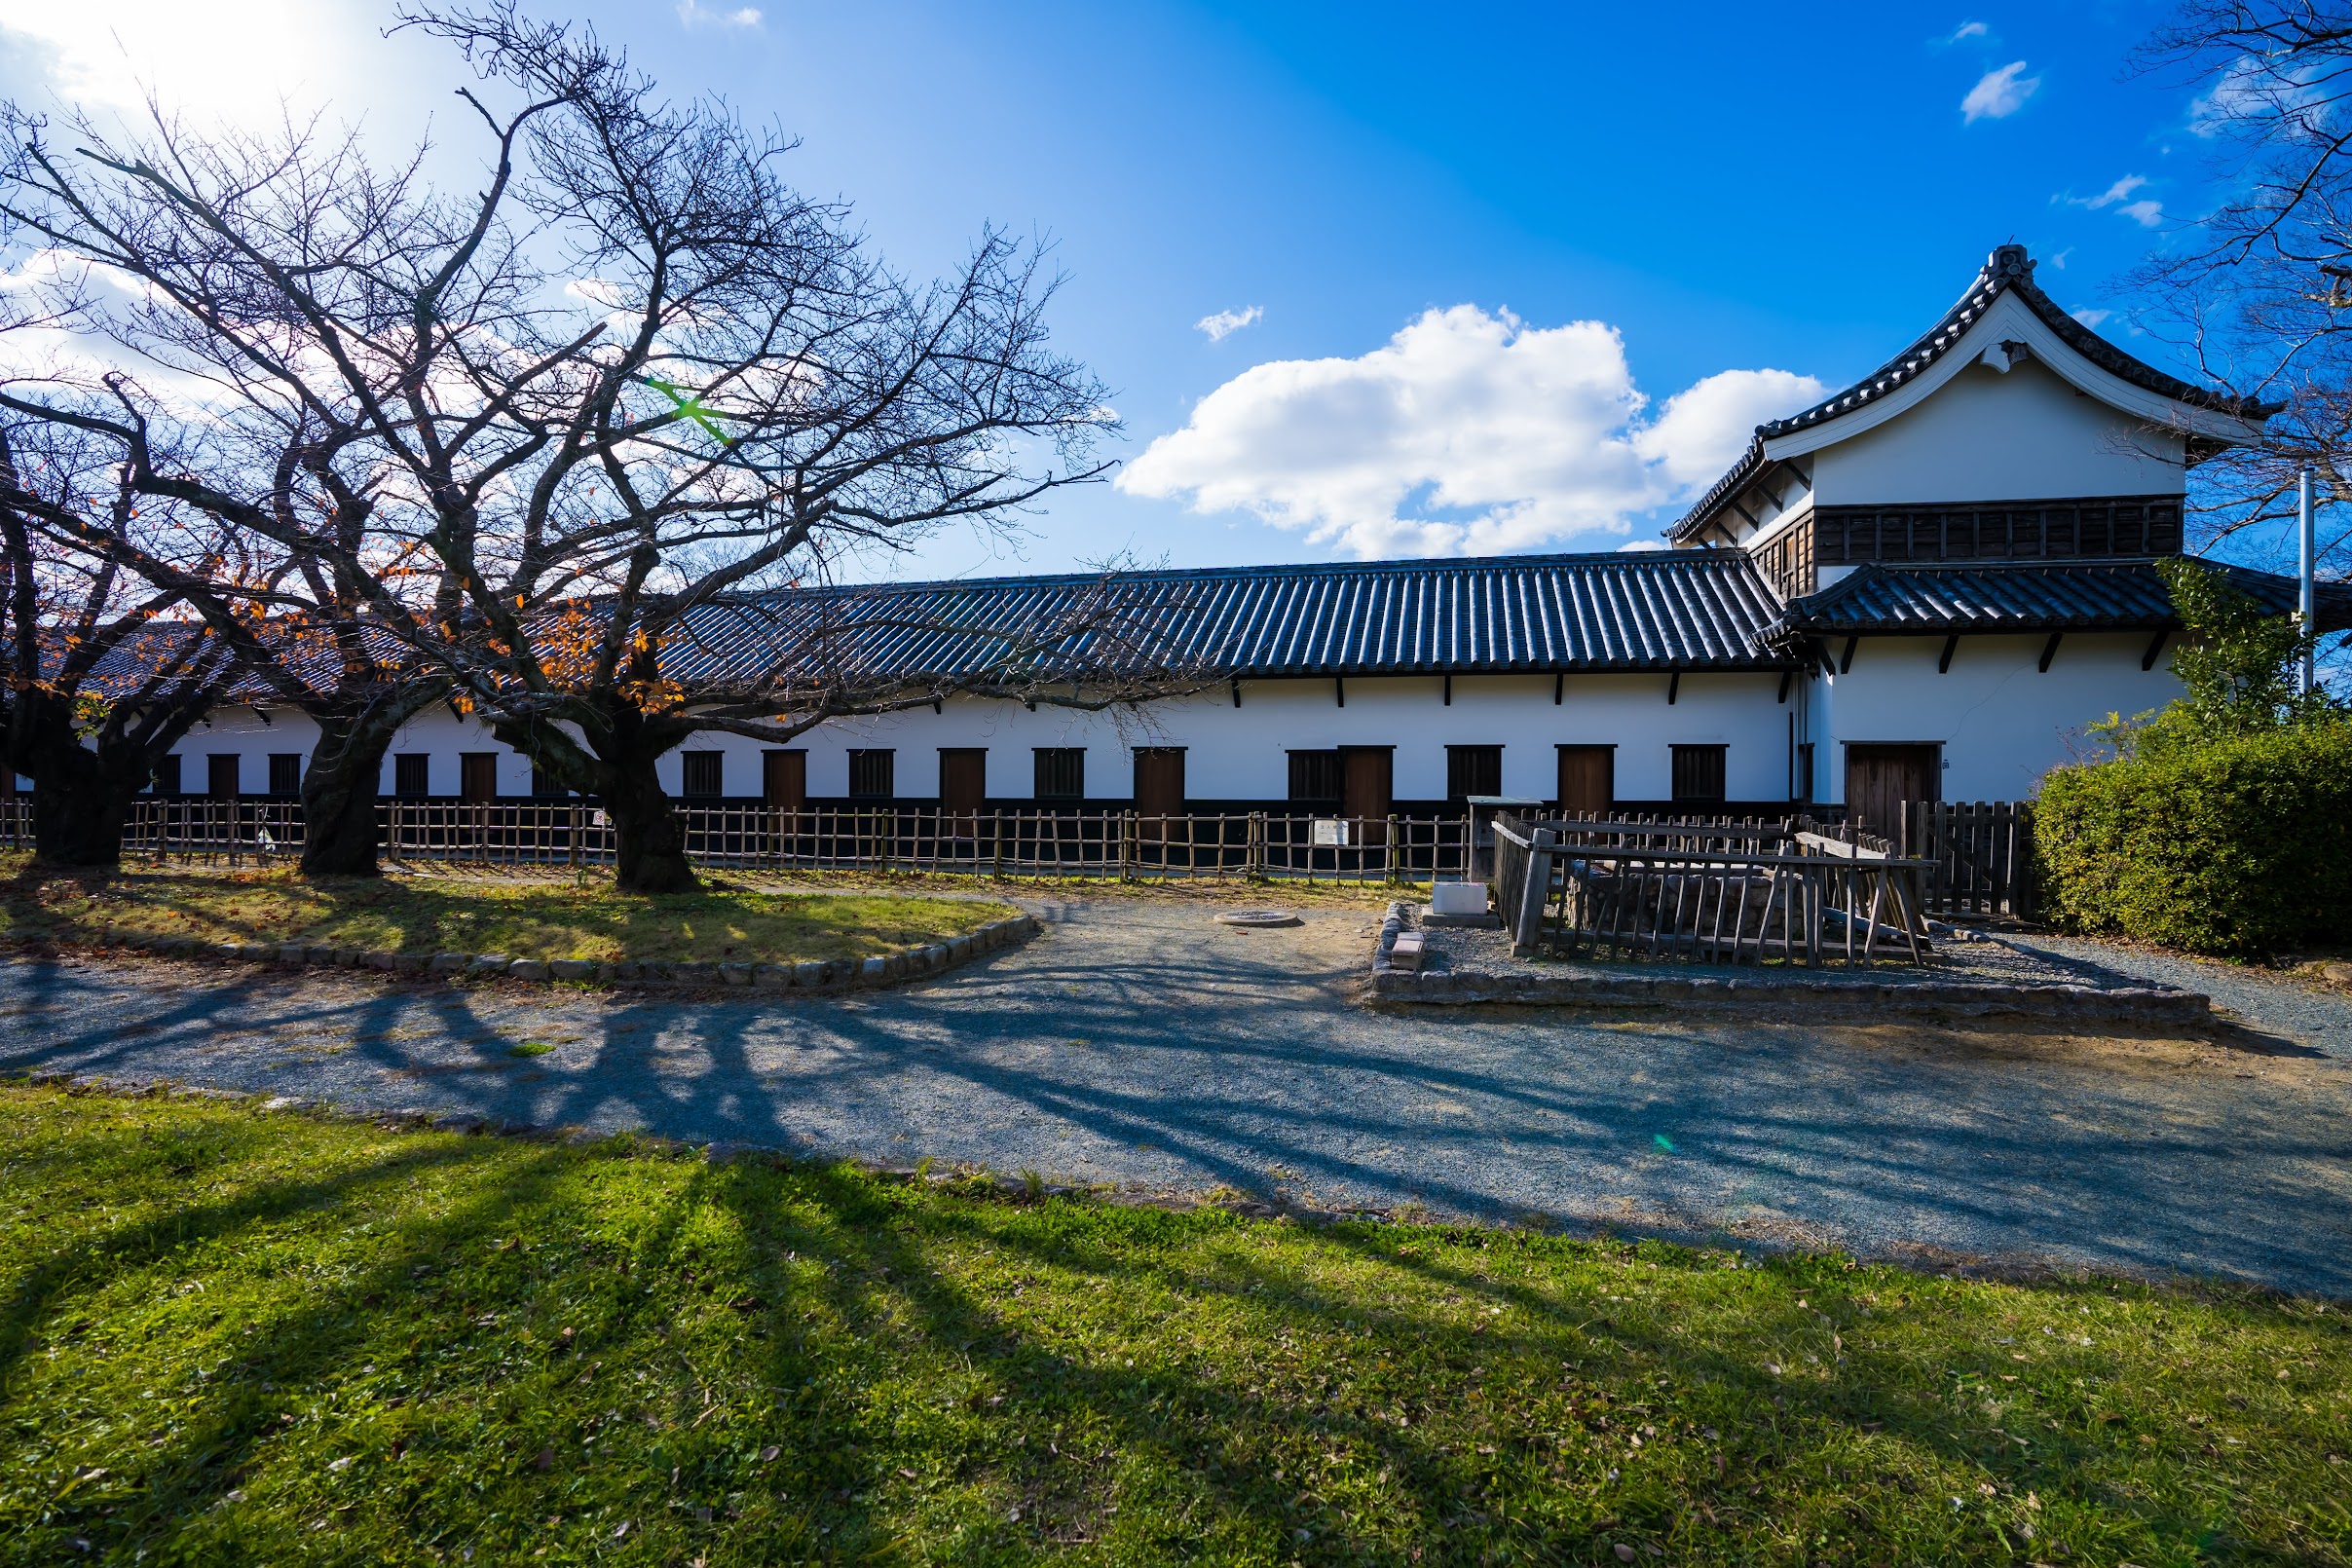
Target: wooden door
[1368, 784]
[1588, 780]
[220, 776]
[964, 784]
[1159, 789]
[1880, 778]
[784, 780]
[478, 777]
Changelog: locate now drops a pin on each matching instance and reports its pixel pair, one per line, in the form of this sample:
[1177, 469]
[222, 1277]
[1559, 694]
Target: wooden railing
[1705, 893]
[881, 838]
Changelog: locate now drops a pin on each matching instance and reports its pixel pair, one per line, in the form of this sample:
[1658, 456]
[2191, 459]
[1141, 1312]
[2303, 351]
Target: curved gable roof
[2008, 271]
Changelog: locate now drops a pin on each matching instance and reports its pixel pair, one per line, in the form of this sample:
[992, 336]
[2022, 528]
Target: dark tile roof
[1646, 610]
[2008, 269]
[1879, 600]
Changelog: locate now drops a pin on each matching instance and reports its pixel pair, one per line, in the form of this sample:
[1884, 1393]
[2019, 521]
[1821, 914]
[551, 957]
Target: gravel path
[1139, 1044]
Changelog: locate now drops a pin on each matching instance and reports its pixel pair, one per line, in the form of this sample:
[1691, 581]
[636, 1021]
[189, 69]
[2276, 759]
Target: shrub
[2233, 846]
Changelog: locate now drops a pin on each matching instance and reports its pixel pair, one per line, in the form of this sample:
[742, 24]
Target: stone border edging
[829, 974]
[1460, 987]
[716, 1152]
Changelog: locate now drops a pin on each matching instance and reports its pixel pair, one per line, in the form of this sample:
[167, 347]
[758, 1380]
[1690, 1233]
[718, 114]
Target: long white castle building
[1922, 587]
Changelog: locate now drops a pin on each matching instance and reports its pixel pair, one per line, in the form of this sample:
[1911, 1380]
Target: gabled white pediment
[2007, 331]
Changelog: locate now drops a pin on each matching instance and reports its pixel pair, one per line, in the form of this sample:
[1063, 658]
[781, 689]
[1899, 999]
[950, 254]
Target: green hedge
[2238, 847]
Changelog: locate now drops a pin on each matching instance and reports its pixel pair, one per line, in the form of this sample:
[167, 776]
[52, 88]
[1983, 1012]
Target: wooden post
[1527, 920]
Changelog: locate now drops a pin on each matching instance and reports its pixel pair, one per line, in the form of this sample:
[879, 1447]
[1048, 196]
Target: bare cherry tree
[2259, 288]
[521, 440]
[103, 673]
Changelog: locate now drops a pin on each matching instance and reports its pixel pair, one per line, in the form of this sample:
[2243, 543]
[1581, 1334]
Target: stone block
[960, 950]
[526, 969]
[291, 953]
[487, 965]
[251, 952]
[324, 956]
[411, 963]
[810, 974]
[694, 972]
[735, 974]
[446, 964]
[572, 968]
[624, 970]
[874, 971]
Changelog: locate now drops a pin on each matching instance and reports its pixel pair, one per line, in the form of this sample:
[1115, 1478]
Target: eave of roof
[1878, 599]
[2008, 269]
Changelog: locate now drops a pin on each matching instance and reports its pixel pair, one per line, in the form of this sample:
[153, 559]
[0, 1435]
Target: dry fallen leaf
[767, 1455]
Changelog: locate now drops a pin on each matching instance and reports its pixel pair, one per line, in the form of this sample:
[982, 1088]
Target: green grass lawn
[522, 917]
[232, 1337]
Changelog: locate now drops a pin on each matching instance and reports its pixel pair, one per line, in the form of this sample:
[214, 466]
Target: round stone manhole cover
[1256, 917]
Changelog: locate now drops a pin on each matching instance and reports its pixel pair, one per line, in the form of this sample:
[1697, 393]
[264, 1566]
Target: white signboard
[1331, 833]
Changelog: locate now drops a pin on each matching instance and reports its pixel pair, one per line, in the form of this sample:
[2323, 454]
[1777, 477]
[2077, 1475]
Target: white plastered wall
[2002, 722]
[1230, 753]
[1993, 435]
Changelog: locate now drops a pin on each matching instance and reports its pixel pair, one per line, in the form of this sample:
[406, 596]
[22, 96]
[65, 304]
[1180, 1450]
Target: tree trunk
[648, 842]
[343, 780]
[79, 812]
[339, 788]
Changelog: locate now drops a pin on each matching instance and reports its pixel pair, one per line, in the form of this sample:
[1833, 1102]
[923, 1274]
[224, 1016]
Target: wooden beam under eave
[1340, 688]
[1450, 688]
[1943, 664]
[1786, 675]
[2049, 651]
[1559, 684]
[1237, 691]
[1673, 687]
[2147, 661]
[1845, 662]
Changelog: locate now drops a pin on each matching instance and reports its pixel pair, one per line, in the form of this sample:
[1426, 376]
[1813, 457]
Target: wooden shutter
[964, 784]
[1698, 773]
[1159, 781]
[784, 780]
[478, 777]
[703, 774]
[220, 776]
[1588, 780]
[1368, 775]
[1473, 770]
[1880, 777]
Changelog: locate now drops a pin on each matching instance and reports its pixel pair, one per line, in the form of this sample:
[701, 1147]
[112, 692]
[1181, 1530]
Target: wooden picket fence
[1125, 846]
[1980, 856]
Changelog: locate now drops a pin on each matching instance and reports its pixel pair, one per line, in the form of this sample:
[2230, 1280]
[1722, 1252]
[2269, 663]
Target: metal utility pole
[2305, 602]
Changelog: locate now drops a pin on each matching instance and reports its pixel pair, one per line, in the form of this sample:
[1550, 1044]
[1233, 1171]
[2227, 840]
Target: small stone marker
[1256, 917]
[1405, 952]
[1457, 898]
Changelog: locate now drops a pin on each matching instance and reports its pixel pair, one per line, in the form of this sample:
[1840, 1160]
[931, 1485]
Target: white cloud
[694, 13]
[1224, 323]
[2146, 212]
[1705, 426]
[1967, 30]
[110, 56]
[1999, 93]
[2090, 316]
[1467, 432]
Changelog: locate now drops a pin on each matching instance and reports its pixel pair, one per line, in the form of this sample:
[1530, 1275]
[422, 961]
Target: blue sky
[1711, 190]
